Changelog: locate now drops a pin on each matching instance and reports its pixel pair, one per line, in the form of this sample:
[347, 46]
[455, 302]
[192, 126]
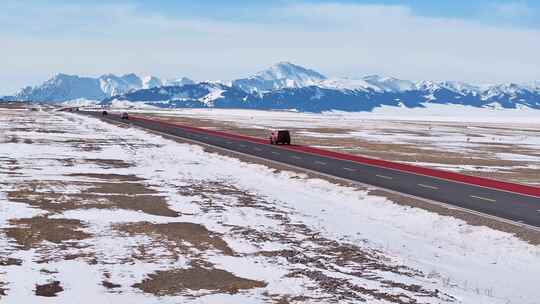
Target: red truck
[280, 137]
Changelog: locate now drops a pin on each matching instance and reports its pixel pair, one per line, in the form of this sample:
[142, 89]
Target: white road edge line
[428, 186]
[483, 198]
[448, 206]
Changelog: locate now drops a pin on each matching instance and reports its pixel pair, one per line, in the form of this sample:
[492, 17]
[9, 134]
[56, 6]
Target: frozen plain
[408, 253]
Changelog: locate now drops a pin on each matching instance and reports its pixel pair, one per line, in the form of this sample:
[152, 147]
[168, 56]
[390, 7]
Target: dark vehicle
[104, 113]
[280, 137]
[124, 116]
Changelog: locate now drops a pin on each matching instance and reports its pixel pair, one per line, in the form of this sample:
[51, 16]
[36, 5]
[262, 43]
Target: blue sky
[514, 13]
[479, 41]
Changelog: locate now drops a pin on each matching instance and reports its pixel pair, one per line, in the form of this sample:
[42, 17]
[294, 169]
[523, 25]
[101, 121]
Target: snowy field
[96, 213]
[496, 143]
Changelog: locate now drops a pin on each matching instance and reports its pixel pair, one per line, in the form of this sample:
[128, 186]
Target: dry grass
[100, 195]
[181, 235]
[178, 281]
[108, 176]
[32, 232]
[7, 261]
[49, 290]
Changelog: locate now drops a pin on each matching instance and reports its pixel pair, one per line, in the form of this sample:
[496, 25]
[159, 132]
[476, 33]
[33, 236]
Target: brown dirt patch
[6, 261]
[49, 131]
[173, 282]
[129, 196]
[49, 289]
[107, 163]
[109, 176]
[150, 204]
[343, 289]
[110, 285]
[178, 233]
[31, 232]
[120, 188]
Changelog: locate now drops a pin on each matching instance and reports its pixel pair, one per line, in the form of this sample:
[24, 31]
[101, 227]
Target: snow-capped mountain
[317, 98]
[178, 82]
[284, 86]
[369, 83]
[389, 84]
[204, 94]
[452, 86]
[279, 76]
[149, 82]
[350, 84]
[115, 85]
[63, 87]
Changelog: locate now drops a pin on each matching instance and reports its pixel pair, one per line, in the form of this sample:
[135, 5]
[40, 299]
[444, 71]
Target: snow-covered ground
[309, 242]
[431, 112]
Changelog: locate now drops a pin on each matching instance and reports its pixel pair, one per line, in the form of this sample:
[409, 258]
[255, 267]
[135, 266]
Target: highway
[511, 206]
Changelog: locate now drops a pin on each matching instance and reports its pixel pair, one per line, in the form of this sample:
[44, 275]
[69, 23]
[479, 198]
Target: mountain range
[282, 86]
[63, 87]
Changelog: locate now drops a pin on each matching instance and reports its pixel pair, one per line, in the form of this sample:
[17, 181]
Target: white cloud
[339, 39]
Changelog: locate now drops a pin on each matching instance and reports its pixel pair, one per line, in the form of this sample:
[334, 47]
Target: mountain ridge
[61, 87]
[284, 86]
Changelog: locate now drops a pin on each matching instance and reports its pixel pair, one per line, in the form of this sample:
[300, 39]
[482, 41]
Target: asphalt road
[507, 205]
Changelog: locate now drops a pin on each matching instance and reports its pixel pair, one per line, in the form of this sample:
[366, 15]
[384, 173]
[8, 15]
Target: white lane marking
[349, 169]
[229, 142]
[320, 163]
[257, 149]
[483, 198]
[296, 157]
[428, 186]
[384, 176]
[243, 146]
[276, 153]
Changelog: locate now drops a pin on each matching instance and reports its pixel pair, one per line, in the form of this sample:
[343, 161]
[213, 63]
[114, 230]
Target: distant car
[280, 137]
[104, 113]
[124, 115]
